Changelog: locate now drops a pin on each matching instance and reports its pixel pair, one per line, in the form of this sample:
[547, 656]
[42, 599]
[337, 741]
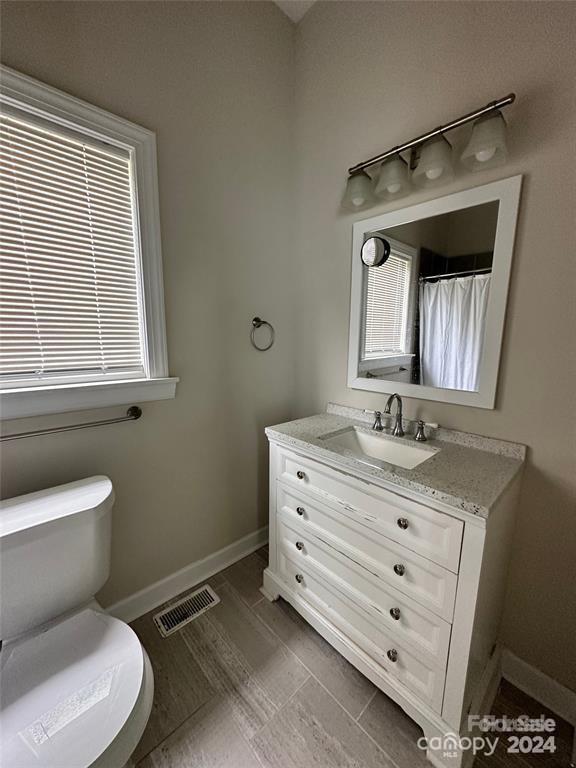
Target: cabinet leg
[444, 750]
[268, 588]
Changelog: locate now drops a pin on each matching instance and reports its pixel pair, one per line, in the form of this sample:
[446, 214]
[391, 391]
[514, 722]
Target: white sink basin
[368, 446]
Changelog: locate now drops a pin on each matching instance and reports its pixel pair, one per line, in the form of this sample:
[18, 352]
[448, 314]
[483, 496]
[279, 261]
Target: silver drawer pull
[299, 546]
[392, 654]
[300, 511]
[300, 475]
[402, 523]
[395, 613]
[299, 578]
[399, 569]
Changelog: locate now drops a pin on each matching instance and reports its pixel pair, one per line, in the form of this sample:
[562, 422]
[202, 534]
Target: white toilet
[76, 684]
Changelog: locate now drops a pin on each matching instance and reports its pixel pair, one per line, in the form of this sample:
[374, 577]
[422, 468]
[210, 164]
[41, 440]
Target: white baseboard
[487, 688]
[146, 599]
[553, 695]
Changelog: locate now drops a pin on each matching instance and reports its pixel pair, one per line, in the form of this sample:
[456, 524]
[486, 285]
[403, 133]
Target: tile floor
[250, 685]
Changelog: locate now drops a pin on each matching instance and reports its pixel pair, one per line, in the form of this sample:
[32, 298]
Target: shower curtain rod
[456, 274]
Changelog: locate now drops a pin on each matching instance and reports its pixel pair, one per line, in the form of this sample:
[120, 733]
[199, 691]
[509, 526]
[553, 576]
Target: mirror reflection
[424, 308]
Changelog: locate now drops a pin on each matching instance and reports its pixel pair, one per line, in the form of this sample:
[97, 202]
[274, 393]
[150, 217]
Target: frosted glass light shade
[487, 145]
[393, 181]
[358, 193]
[435, 163]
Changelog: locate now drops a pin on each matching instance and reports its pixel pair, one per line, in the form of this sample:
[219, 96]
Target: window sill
[39, 401]
[386, 361]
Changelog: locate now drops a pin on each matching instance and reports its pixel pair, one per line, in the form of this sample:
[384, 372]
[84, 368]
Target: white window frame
[403, 357]
[43, 101]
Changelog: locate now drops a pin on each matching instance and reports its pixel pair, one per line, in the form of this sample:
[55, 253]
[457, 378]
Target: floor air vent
[175, 616]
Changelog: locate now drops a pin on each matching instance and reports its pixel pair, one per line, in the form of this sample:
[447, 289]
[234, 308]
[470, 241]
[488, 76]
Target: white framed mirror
[427, 320]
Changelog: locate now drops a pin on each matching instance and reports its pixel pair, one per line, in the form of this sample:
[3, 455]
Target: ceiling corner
[295, 9]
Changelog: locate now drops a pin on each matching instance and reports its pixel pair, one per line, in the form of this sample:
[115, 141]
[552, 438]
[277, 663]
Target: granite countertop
[465, 471]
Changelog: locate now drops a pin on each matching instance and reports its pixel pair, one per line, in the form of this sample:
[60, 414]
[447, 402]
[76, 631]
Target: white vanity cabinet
[408, 589]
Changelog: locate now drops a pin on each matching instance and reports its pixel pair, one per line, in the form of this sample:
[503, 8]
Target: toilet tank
[54, 552]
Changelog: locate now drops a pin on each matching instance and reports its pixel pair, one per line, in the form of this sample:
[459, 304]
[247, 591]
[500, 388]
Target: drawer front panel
[430, 533]
[415, 577]
[427, 682]
[393, 612]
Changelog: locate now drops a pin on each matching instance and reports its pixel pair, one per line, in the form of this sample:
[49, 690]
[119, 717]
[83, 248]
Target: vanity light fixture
[435, 163]
[430, 157]
[358, 192]
[487, 145]
[393, 181]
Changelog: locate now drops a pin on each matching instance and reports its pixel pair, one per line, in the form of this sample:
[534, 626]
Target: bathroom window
[81, 295]
[387, 305]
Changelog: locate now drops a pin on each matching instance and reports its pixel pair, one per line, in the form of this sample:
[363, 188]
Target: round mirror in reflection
[375, 251]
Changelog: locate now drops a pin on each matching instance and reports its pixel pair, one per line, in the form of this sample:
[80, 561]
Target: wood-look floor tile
[244, 660]
[235, 684]
[264, 553]
[513, 702]
[180, 686]
[245, 577]
[394, 731]
[208, 739]
[345, 683]
[494, 761]
[502, 758]
[510, 702]
[313, 730]
[230, 675]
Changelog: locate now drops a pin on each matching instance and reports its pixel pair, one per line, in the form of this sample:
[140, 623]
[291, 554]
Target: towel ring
[258, 323]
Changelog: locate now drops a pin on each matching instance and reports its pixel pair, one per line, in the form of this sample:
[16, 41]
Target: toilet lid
[68, 691]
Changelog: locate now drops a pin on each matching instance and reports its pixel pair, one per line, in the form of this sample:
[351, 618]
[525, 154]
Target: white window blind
[387, 292]
[70, 304]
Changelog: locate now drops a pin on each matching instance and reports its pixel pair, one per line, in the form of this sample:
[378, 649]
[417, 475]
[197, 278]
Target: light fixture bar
[491, 107]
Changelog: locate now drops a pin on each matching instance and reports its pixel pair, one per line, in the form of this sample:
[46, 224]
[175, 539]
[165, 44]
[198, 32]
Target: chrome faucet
[398, 431]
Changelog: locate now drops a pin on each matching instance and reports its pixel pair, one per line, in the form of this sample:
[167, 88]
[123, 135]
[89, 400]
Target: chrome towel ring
[257, 322]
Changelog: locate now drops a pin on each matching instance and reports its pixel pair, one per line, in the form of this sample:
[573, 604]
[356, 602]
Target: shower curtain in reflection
[452, 318]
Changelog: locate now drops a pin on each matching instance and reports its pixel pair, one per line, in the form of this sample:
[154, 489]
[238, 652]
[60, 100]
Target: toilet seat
[68, 691]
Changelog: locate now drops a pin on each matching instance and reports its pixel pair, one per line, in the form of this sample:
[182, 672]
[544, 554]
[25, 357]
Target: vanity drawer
[427, 633]
[418, 578]
[435, 535]
[425, 680]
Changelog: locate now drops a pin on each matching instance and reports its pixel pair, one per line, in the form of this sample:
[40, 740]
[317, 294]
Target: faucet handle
[378, 426]
[420, 435]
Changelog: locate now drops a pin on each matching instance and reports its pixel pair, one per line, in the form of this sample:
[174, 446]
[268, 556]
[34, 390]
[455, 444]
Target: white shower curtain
[452, 318]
